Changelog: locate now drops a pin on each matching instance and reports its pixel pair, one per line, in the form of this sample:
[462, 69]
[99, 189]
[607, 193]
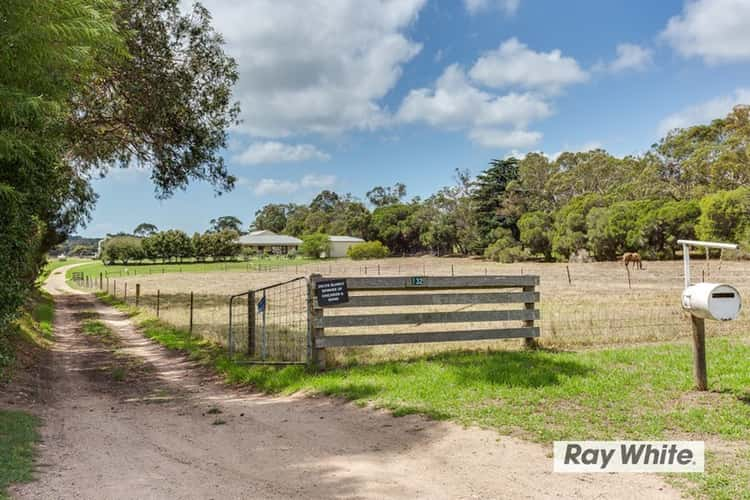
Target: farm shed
[268, 241]
[340, 244]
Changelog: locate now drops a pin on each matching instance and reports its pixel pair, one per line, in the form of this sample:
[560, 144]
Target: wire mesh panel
[270, 324]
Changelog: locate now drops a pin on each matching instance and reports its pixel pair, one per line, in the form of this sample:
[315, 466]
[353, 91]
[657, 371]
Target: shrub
[367, 250]
[313, 245]
[505, 248]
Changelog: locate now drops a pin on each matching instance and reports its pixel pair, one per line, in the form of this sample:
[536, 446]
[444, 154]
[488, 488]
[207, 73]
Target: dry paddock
[596, 308]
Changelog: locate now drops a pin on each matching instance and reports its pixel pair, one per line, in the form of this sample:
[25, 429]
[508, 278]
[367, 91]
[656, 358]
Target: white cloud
[716, 30]
[318, 181]
[476, 6]
[455, 103]
[513, 63]
[495, 138]
[266, 187]
[271, 187]
[316, 66]
[278, 152]
[704, 112]
[631, 56]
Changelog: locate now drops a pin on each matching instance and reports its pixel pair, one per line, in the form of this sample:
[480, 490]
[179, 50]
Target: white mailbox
[712, 301]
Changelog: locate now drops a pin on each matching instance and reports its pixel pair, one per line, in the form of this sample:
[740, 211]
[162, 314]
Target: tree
[505, 247]
[296, 216]
[271, 217]
[314, 245]
[326, 201]
[46, 58]
[725, 215]
[166, 105]
[535, 228]
[570, 229]
[381, 197]
[489, 193]
[664, 225]
[226, 222]
[395, 227]
[707, 158]
[123, 249]
[145, 229]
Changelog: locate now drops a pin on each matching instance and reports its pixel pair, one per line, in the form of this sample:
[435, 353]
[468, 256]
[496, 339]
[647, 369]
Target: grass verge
[139, 269]
[18, 437]
[20, 345]
[640, 392]
[34, 328]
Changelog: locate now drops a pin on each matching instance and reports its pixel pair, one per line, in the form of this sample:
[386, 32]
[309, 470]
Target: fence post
[567, 270]
[190, 329]
[157, 302]
[101, 281]
[315, 326]
[108, 285]
[250, 323]
[529, 342]
[125, 296]
[137, 293]
[114, 289]
[699, 352]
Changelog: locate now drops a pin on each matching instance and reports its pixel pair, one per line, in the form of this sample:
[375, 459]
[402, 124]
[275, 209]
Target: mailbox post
[706, 301]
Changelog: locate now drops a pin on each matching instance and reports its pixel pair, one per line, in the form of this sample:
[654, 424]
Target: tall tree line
[692, 183]
[91, 85]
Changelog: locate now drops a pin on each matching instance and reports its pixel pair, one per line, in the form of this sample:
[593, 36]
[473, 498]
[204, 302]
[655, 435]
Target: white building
[340, 244]
[268, 241]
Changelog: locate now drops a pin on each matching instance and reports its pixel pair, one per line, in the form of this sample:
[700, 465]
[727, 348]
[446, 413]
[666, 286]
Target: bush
[313, 245]
[505, 248]
[367, 250]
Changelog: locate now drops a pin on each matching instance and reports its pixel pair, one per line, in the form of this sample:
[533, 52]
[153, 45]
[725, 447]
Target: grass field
[94, 268]
[641, 392]
[596, 308]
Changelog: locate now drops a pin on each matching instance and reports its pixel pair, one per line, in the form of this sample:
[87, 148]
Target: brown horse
[634, 258]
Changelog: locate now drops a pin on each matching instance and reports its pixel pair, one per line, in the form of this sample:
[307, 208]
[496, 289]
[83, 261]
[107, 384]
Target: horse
[634, 258]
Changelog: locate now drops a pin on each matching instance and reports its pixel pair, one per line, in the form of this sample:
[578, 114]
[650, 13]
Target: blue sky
[350, 94]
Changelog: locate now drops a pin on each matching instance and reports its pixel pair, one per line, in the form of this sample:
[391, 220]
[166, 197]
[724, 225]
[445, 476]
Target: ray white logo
[629, 456]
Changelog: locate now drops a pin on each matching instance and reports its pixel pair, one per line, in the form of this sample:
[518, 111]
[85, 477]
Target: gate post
[529, 342]
[250, 323]
[315, 327]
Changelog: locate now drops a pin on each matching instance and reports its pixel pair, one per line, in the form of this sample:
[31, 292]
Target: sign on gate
[331, 292]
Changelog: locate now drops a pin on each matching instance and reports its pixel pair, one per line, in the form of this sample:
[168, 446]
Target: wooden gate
[423, 291]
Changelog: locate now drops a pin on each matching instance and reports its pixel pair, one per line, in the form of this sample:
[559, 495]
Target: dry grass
[596, 309]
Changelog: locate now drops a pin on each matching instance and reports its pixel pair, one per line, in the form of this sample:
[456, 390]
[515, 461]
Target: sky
[350, 94]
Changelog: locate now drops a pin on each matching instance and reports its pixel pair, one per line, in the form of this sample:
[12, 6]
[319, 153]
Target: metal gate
[270, 324]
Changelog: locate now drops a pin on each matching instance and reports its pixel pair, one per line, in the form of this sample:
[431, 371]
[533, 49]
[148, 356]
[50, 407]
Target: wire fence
[585, 304]
[270, 324]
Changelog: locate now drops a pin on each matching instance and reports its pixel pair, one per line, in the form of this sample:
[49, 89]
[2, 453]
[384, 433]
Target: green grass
[96, 328]
[54, 264]
[33, 327]
[137, 269]
[18, 437]
[625, 393]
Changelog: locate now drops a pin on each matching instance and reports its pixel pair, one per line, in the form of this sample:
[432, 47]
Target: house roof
[345, 239]
[269, 238]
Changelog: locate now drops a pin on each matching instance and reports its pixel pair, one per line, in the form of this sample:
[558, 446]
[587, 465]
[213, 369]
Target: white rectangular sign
[629, 456]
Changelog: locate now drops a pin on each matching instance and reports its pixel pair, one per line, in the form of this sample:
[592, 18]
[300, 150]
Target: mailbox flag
[262, 304]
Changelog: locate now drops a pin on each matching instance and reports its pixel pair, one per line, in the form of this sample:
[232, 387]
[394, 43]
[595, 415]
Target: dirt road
[129, 419]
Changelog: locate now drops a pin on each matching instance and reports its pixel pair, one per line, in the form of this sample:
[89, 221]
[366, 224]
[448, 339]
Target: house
[270, 242]
[340, 244]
